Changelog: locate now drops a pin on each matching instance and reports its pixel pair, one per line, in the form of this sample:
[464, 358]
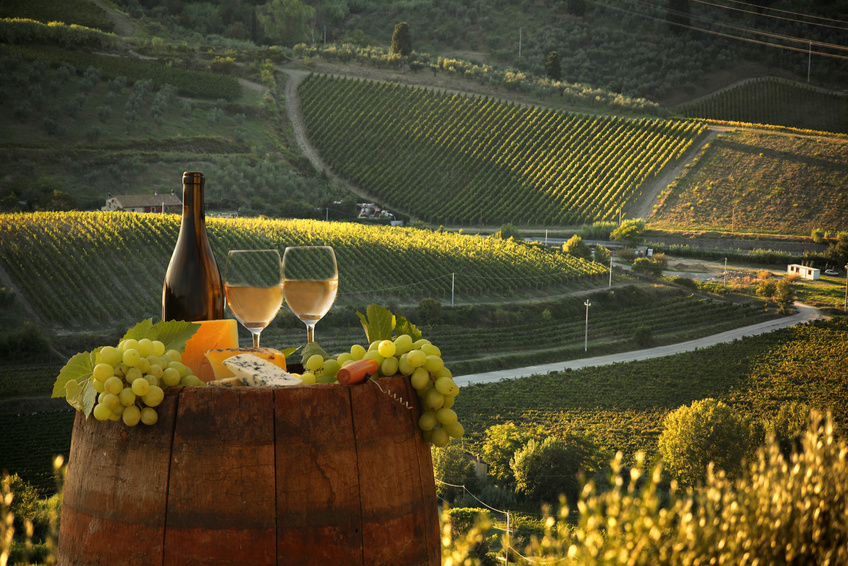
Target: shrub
[545, 471]
[685, 282]
[576, 247]
[643, 336]
[429, 312]
[626, 254]
[502, 441]
[766, 289]
[784, 295]
[451, 467]
[706, 432]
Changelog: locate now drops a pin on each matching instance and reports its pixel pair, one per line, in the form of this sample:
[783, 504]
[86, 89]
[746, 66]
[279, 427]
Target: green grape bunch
[131, 379]
[420, 361]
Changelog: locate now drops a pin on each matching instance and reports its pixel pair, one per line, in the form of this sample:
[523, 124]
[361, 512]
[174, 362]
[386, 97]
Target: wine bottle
[193, 288]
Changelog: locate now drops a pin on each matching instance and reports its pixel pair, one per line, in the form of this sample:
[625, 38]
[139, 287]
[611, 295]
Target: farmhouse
[144, 203]
[804, 271]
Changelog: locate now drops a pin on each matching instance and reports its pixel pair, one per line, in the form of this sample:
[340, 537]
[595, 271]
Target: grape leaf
[310, 350]
[379, 324]
[173, 333]
[78, 368]
[89, 397]
[406, 327]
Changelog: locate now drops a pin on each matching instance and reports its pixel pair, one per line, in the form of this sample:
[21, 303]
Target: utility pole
[586, 338]
[519, 42]
[809, 60]
[453, 282]
[725, 272]
[610, 281]
[846, 287]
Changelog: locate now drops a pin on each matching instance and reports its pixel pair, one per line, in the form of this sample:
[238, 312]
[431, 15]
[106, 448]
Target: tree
[544, 471]
[451, 466]
[553, 70]
[707, 431]
[286, 22]
[630, 231]
[602, 254]
[502, 441]
[577, 247]
[429, 311]
[783, 295]
[838, 251]
[402, 42]
[506, 232]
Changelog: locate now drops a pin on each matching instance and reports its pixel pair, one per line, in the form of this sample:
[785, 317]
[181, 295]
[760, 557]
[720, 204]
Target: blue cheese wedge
[254, 371]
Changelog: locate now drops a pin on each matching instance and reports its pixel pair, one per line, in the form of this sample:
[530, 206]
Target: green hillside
[438, 155]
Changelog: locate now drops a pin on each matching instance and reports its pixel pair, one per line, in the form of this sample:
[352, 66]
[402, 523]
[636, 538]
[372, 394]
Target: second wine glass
[253, 283]
[310, 283]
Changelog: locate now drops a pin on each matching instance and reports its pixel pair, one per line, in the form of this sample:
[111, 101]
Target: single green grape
[448, 402]
[454, 430]
[102, 412]
[427, 420]
[113, 385]
[321, 378]
[447, 387]
[373, 355]
[403, 365]
[416, 358]
[126, 396]
[331, 367]
[153, 397]
[180, 367]
[389, 366]
[110, 401]
[131, 416]
[431, 350]
[158, 348]
[446, 416]
[386, 348]
[444, 372]
[342, 358]
[155, 370]
[433, 363]
[315, 362]
[110, 355]
[420, 342]
[140, 387]
[151, 379]
[174, 355]
[98, 386]
[145, 347]
[403, 344]
[143, 365]
[440, 438]
[103, 371]
[374, 345]
[131, 357]
[420, 378]
[357, 351]
[434, 400]
[191, 380]
[171, 376]
[149, 416]
[132, 375]
[128, 344]
[307, 377]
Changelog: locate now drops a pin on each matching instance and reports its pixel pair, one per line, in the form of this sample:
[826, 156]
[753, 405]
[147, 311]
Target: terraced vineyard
[768, 100]
[94, 268]
[450, 158]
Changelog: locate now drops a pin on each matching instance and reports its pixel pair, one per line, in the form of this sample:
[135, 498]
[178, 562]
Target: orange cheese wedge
[213, 366]
[212, 334]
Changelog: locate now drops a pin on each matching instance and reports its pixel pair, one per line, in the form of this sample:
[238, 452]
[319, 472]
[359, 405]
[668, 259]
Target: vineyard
[461, 159]
[93, 268]
[622, 406]
[761, 182]
[777, 102]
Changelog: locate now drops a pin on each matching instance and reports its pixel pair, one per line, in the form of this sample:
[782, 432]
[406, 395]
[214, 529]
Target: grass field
[761, 182]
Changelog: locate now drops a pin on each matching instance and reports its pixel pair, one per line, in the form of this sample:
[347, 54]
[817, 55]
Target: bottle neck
[194, 212]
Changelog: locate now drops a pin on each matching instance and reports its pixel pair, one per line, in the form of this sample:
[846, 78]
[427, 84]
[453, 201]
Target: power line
[787, 12]
[727, 35]
[841, 28]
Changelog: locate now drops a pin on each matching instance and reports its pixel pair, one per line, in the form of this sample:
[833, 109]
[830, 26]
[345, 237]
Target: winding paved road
[805, 313]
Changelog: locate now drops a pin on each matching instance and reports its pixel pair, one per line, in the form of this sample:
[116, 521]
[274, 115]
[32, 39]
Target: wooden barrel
[311, 474]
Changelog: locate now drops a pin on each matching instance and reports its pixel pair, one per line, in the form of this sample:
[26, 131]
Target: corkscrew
[391, 394]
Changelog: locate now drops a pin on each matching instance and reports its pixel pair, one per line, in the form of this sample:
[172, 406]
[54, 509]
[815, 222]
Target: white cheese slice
[253, 371]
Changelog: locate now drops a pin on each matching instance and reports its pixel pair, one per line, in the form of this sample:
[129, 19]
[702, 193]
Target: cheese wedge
[213, 364]
[256, 371]
[211, 334]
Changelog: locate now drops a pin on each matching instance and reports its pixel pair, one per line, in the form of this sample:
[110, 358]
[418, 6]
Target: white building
[145, 203]
[805, 272]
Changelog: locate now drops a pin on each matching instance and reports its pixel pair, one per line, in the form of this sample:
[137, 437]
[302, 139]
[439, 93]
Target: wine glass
[253, 283]
[310, 283]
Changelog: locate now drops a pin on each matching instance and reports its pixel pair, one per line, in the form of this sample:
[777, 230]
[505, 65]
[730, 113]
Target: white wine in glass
[253, 284]
[310, 283]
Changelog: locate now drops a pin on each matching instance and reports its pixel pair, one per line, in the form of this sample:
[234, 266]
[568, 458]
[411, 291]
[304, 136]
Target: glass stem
[255, 339]
[310, 333]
